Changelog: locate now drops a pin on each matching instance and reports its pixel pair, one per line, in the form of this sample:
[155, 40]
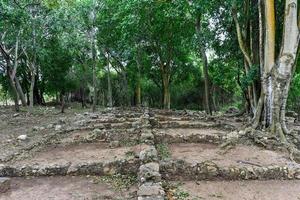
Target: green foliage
[294, 94]
[252, 76]
[144, 40]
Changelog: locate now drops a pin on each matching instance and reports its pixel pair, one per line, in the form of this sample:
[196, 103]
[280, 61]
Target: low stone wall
[161, 137]
[92, 168]
[150, 185]
[194, 124]
[180, 170]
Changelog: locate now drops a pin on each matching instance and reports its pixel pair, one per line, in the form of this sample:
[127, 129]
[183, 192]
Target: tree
[276, 76]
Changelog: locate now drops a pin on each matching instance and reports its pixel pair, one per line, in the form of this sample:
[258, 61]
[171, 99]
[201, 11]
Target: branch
[3, 52]
[240, 37]
[16, 57]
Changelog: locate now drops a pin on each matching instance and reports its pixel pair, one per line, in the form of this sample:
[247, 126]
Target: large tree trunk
[277, 78]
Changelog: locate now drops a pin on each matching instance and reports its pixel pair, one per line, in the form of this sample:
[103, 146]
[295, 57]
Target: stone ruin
[154, 145]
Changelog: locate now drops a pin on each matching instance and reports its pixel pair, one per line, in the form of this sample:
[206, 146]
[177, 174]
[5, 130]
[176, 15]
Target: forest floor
[140, 153]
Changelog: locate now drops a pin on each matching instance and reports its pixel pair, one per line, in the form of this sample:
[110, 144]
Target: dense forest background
[158, 53]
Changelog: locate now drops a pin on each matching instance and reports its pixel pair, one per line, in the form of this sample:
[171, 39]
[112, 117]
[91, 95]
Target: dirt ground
[80, 153]
[63, 188]
[197, 153]
[241, 190]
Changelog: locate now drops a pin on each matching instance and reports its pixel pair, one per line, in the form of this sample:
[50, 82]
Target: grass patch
[163, 151]
[118, 181]
[175, 192]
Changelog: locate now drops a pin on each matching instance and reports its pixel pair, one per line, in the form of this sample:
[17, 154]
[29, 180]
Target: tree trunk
[82, 96]
[206, 81]
[138, 91]
[125, 88]
[138, 81]
[166, 91]
[32, 82]
[93, 49]
[20, 92]
[62, 101]
[109, 90]
[277, 78]
[201, 45]
[245, 41]
[14, 91]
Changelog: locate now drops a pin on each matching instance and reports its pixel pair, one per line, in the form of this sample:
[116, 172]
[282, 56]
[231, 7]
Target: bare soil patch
[177, 132]
[240, 155]
[80, 153]
[63, 188]
[241, 190]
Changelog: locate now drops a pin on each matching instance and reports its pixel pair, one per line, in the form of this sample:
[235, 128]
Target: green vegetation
[118, 181]
[163, 151]
[192, 54]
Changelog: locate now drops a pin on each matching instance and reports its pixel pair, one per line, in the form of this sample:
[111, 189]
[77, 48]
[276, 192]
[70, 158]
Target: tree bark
[62, 101]
[138, 90]
[277, 78]
[20, 91]
[201, 46]
[125, 88]
[109, 89]
[166, 90]
[93, 49]
[14, 91]
[206, 81]
[138, 79]
[32, 82]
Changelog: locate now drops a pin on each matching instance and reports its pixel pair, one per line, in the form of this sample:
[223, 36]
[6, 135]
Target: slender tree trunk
[166, 91]
[125, 88]
[206, 81]
[214, 93]
[93, 48]
[33, 64]
[138, 91]
[201, 45]
[109, 88]
[32, 82]
[14, 91]
[245, 41]
[94, 85]
[62, 101]
[20, 92]
[138, 81]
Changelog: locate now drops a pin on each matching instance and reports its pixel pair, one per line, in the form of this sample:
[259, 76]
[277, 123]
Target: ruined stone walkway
[142, 154]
